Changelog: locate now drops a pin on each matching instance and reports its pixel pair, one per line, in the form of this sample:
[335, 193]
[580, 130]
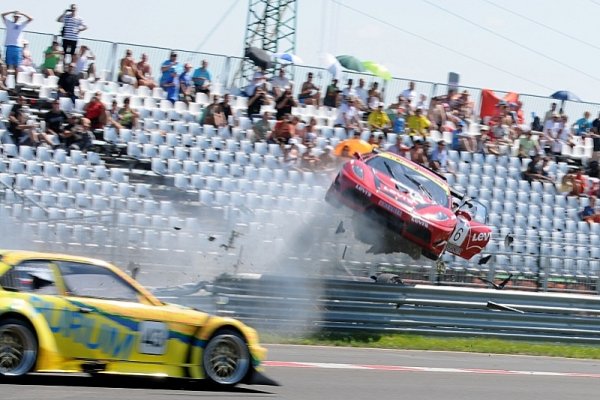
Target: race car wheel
[18, 348]
[226, 359]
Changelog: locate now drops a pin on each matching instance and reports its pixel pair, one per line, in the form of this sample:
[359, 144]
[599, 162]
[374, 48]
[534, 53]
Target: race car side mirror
[464, 214]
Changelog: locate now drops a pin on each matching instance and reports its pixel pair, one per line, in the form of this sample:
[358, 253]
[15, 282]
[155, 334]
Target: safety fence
[291, 304]
[226, 71]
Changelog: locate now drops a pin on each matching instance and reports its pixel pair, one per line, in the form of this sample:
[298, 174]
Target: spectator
[418, 124]
[73, 26]
[19, 131]
[259, 79]
[439, 158]
[284, 104]
[262, 128]
[75, 135]
[113, 117]
[311, 131]
[437, 113]
[536, 124]
[378, 120]
[95, 111]
[528, 147]
[171, 85]
[279, 83]
[128, 117]
[535, 170]
[399, 120]
[186, 87]
[410, 93]
[227, 111]
[577, 182]
[3, 73]
[67, 83]
[255, 102]
[417, 153]
[55, 119]
[168, 68]
[85, 69]
[211, 112]
[128, 69]
[144, 73]
[282, 131]
[331, 94]
[348, 91]
[374, 96]
[422, 102]
[549, 114]
[486, 143]
[27, 65]
[202, 79]
[362, 94]
[309, 92]
[14, 37]
[583, 125]
[589, 213]
[348, 117]
[52, 57]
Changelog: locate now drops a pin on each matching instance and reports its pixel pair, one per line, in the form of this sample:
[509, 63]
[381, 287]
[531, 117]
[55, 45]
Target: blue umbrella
[565, 95]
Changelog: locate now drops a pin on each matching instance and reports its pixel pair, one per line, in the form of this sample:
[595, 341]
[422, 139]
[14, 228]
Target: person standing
[14, 37]
[73, 26]
[202, 78]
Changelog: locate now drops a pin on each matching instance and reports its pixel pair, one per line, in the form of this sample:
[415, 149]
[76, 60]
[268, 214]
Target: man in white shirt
[14, 37]
[362, 94]
[410, 93]
[279, 83]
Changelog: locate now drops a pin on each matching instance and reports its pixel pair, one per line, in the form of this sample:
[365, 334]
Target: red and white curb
[290, 364]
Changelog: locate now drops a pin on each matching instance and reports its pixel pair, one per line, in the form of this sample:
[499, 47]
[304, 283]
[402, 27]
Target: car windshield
[411, 179]
[87, 280]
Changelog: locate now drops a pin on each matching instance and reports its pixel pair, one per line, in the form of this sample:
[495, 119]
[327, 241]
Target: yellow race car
[61, 313]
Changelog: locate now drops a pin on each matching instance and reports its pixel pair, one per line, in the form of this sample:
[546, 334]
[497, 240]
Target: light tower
[271, 26]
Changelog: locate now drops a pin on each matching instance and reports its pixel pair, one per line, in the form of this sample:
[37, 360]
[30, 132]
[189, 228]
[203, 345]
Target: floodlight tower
[271, 26]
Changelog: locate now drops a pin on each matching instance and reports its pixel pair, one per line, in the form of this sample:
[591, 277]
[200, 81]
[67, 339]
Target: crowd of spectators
[423, 129]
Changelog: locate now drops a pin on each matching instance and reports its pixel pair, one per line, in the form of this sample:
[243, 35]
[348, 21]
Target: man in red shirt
[95, 111]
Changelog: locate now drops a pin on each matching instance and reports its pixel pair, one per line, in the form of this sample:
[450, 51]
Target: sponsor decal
[481, 237]
[419, 221]
[363, 190]
[389, 208]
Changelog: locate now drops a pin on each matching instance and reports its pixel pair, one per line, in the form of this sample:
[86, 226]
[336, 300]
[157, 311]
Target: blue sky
[533, 46]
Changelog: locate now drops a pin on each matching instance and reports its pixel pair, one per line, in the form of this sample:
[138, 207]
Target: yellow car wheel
[18, 348]
[226, 359]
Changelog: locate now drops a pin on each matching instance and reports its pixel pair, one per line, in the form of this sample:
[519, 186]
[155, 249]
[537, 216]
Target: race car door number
[153, 337]
[460, 233]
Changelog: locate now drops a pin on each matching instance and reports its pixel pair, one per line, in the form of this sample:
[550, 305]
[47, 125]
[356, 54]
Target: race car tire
[226, 359]
[18, 348]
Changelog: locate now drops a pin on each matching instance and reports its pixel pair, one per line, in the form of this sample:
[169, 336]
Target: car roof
[416, 167]
[16, 256]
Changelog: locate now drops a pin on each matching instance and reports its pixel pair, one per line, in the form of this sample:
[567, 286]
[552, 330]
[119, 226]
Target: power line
[217, 25]
[544, 25]
[450, 49]
[539, 53]
[595, 2]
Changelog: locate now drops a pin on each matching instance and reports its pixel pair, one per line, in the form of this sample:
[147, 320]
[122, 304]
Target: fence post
[225, 73]
[111, 62]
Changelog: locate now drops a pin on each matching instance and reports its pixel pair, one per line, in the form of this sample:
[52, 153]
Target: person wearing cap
[14, 37]
[332, 94]
[418, 124]
[186, 86]
[52, 57]
[309, 92]
[167, 69]
[378, 120]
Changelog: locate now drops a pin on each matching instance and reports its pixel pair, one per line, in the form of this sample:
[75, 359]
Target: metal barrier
[305, 304]
[225, 69]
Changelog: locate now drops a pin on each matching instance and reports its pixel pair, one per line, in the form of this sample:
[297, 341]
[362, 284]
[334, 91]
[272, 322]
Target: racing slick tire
[226, 359]
[18, 348]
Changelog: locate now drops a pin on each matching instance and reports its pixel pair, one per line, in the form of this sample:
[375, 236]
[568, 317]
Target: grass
[416, 342]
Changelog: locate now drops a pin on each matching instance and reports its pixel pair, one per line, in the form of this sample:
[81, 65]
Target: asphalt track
[311, 373]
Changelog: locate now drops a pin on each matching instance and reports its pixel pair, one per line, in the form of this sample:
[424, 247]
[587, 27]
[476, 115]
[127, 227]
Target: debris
[484, 259]
[340, 228]
[497, 286]
[177, 228]
[211, 238]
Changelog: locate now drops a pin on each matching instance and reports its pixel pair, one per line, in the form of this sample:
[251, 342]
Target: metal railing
[291, 304]
[224, 70]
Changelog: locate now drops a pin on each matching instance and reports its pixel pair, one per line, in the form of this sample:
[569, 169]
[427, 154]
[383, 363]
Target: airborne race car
[400, 206]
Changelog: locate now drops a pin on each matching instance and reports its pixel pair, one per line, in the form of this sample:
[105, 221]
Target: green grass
[415, 342]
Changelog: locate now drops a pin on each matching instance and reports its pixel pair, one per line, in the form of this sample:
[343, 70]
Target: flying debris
[134, 269]
[232, 236]
[497, 286]
[177, 228]
[483, 260]
[211, 238]
[340, 228]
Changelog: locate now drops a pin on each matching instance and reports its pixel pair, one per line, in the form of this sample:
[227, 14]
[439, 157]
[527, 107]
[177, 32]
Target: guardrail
[308, 304]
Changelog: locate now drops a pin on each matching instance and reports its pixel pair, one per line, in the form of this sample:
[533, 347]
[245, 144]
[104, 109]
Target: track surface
[344, 373]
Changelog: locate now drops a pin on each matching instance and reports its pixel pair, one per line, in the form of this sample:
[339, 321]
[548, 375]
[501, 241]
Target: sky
[533, 47]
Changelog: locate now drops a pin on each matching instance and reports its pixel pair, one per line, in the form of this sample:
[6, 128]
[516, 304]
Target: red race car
[401, 206]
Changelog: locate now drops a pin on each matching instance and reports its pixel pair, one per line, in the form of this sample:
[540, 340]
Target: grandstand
[173, 193]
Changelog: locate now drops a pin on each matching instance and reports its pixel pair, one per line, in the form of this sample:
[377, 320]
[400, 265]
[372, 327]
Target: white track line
[288, 364]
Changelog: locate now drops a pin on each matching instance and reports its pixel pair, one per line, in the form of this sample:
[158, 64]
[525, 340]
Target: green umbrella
[351, 63]
[377, 70]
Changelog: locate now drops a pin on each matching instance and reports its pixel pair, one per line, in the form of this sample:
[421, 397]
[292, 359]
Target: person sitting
[348, 117]
[128, 117]
[331, 95]
[95, 111]
[282, 131]
[418, 153]
[85, 69]
[186, 87]
[128, 69]
[589, 213]
[55, 119]
[144, 73]
[439, 158]
[202, 78]
[527, 145]
[284, 104]
[211, 113]
[309, 92]
[417, 124]
[67, 83]
[378, 120]
[262, 128]
[26, 65]
[279, 83]
[535, 171]
[255, 102]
